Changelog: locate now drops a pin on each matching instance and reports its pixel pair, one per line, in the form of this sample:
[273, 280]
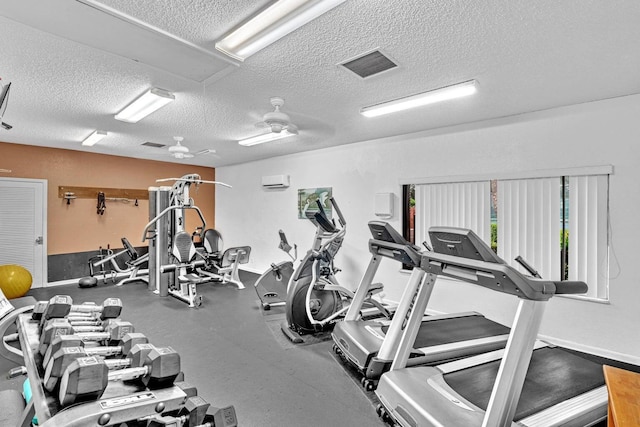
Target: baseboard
[121, 275]
[142, 272]
[251, 270]
[62, 283]
[622, 357]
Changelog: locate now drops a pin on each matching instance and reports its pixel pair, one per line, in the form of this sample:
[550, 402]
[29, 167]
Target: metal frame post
[515, 363]
[162, 240]
[153, 267]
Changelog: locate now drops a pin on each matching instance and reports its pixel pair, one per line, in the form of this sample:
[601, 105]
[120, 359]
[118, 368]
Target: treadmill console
[387, 242]
[381, 230]
[461, 242]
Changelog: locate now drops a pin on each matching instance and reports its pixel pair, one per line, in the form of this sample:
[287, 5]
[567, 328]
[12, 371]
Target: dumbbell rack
[120, 402]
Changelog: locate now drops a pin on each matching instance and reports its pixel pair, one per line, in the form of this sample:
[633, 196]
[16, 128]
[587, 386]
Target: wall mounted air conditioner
[275, 181]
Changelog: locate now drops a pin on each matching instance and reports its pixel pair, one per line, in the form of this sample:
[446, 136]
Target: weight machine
[176, 264]
[98, 266]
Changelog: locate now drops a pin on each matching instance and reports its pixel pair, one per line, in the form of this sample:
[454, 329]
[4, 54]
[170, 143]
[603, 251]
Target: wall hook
[68, 196]
[101, 203]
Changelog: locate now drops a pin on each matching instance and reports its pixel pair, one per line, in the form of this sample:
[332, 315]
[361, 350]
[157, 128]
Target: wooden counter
[624, 397]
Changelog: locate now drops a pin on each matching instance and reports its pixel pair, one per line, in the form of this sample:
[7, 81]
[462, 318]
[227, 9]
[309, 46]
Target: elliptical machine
[315, 299]
[313, 293]
[271, 286]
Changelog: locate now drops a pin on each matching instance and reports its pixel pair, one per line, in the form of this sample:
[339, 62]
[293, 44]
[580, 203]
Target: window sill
[586, 299]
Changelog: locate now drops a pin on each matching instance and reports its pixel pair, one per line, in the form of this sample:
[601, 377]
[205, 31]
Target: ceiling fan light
[147, 103]
[270, 25]
[267, 137]
[94, 138]
[438, 95]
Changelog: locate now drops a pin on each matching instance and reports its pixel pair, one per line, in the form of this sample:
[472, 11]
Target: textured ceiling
[525, 55]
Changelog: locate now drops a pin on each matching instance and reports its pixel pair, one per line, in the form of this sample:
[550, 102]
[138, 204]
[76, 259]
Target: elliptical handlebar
[323, 220]
[343, 222]
[286, 247]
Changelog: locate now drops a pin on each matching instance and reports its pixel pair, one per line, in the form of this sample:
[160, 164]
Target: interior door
[23, 226]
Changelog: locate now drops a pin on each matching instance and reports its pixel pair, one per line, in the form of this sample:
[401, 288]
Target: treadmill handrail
[498, 277]
[403, 253]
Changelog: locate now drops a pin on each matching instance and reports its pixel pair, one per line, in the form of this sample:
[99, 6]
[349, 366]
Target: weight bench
[133, 265]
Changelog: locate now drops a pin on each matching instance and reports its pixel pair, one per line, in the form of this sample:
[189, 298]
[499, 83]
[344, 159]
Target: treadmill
[529, 383]
[369, 346]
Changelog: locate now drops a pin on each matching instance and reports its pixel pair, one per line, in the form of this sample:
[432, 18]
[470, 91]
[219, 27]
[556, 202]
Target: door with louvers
[23, 239]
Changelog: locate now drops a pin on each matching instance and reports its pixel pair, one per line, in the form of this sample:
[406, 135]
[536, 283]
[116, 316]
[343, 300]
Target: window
[409, 212]
[557, 222]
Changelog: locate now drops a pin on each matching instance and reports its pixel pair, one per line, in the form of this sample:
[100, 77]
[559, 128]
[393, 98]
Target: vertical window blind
[458, 204]
[531, 220]
[529, 223]
[588, 237]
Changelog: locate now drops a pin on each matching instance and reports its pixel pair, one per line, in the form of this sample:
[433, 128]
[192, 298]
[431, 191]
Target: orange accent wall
[77, 227]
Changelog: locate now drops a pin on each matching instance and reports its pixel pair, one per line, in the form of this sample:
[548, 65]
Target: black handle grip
[321, 209]
[324, 222]
[571, 287]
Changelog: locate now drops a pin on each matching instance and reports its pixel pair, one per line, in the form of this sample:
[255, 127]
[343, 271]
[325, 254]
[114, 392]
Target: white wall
[598, 133]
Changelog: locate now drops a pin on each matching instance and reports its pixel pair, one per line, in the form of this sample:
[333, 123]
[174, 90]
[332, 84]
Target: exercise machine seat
[183, 248]
[212, 242]
[239, 255]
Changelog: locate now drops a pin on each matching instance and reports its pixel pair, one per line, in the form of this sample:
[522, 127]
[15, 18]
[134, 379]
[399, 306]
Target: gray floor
[235, 355]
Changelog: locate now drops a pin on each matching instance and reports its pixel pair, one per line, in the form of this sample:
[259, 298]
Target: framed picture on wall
[307, 201]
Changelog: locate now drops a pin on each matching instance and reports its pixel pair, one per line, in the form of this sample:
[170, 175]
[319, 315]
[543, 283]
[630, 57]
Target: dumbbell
[65, 356]
[114, 332]
[62, 305]
[117, 349]
[111, 308]
[80, 324]
[87, 377]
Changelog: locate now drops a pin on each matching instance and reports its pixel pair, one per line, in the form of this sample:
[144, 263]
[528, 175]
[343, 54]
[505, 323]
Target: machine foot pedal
[294, 337]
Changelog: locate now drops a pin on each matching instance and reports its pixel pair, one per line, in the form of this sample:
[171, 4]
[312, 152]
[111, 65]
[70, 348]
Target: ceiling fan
[180, 151]
[278, 123]
[276, 120]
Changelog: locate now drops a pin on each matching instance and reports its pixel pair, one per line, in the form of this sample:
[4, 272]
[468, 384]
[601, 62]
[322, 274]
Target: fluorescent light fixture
[146, 104]
[443, 94]
[267, 137]
[94, 138]
[270, 25]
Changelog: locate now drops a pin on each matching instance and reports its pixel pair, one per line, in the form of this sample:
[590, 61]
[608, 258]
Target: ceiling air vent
[369, 64]
[154, 144]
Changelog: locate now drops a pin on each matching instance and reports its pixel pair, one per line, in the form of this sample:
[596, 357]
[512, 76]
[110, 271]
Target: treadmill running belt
[554, 375]
[456, 329]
